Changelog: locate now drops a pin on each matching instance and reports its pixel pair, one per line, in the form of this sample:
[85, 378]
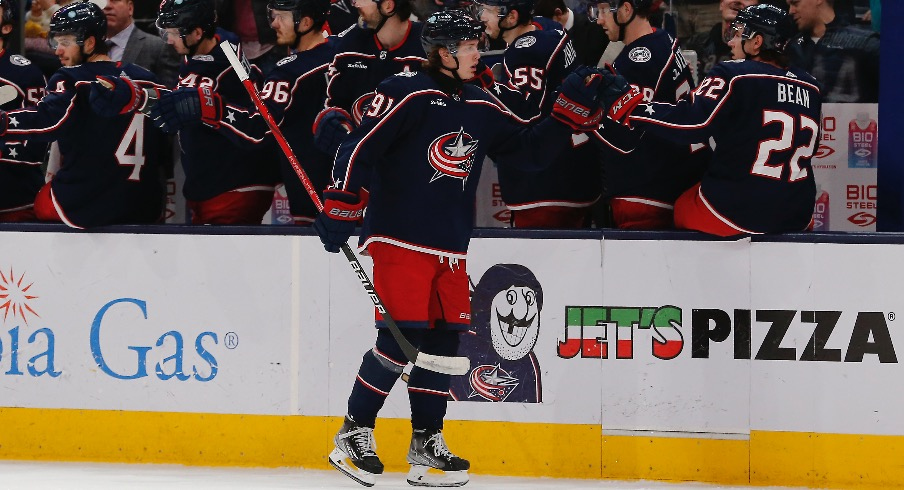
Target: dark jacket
[226, 19]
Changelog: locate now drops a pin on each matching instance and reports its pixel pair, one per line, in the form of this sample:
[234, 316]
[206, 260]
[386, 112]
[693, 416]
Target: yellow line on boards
[496, 448]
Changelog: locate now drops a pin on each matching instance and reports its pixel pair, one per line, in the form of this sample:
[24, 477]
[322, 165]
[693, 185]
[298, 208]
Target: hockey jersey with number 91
[765, 122]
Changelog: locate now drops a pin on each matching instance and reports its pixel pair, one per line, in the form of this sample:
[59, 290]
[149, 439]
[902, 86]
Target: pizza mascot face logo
[505, 324]
[452, 155]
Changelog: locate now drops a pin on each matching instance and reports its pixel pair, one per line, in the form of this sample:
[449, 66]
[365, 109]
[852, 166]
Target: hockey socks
[380, 368]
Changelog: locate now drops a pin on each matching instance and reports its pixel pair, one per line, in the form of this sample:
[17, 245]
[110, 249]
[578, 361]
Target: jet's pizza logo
[16, 297]
[452, 155]
[505, 325]
[592, 331]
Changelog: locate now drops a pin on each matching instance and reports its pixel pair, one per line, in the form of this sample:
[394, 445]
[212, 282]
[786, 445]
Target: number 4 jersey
[765, 122]
[110, 170]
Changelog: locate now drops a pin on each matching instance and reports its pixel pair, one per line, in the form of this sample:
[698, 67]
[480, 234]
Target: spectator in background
[712, 46]
[132, 45]
[843, 57]
[588, 38]
[249, 20]
[693, 17]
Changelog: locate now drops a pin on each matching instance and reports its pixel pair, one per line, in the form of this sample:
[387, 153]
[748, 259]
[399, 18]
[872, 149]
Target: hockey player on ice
[416, 148]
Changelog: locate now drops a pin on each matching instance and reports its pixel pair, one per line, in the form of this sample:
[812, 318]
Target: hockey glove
[617, 96]
[187, 106]
[112, 96]
[484, 77]
[336, 223]
[577, 104]
[330, 128]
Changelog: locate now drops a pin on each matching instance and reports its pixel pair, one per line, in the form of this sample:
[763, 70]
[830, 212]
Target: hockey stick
[439, 364]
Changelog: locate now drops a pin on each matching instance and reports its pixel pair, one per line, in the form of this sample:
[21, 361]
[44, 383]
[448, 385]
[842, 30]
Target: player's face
[66, 48]
[489, 15]
[738, 44]
[172, 37]
[606, 19]
[119, 15]
[283, 23]
[468, 56]
[368, 12]
[805, 14]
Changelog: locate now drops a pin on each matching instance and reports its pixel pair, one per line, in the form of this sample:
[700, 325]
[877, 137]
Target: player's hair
[547, 8]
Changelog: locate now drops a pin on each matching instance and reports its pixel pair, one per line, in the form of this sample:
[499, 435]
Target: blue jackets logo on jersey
[452, 155]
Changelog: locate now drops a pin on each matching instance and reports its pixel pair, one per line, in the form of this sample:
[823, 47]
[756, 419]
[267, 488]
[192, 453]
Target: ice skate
[355, 454]
[428, 450]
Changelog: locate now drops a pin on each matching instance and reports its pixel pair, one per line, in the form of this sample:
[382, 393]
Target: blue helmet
[82, 19]
[187, 15]
[448, 28]
[775, 25]
[317, 10]
[523, 7]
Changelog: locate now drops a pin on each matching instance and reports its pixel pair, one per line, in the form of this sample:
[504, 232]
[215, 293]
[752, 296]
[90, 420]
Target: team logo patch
[525, 42]
[452, 155]
[360, 106]
[640, 55]
[19, 60]
[287, 59]
[202, 57]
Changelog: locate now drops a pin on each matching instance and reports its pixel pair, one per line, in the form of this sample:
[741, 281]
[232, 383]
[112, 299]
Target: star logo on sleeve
[13, 122]
[649, 110]
[231, 117]
[13, 153]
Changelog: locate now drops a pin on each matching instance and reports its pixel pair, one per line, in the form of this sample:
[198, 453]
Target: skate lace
[439, 446]
[364, 441]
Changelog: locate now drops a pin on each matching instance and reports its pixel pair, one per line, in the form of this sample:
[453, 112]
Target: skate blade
[418, 476]
[337, 459]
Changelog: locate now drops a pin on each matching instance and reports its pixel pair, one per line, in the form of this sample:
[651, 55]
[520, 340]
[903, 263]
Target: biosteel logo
[592, 332]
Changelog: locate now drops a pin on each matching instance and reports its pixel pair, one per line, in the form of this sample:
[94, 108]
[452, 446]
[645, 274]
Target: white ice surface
[27, 475]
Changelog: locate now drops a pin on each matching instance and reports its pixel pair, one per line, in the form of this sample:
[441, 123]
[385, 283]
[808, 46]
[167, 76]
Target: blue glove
[577, 104]
[331, 127]
[187, 106]
[617, 96]
[112, 96]
[336, 223]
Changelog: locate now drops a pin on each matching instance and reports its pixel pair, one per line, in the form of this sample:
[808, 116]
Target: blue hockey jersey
[212, 163]
[110, 171]
[765, 122]
[646, 166]
[420, 148]
[534, 66]
[20, 166]
[294, 94]
[362, 62]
